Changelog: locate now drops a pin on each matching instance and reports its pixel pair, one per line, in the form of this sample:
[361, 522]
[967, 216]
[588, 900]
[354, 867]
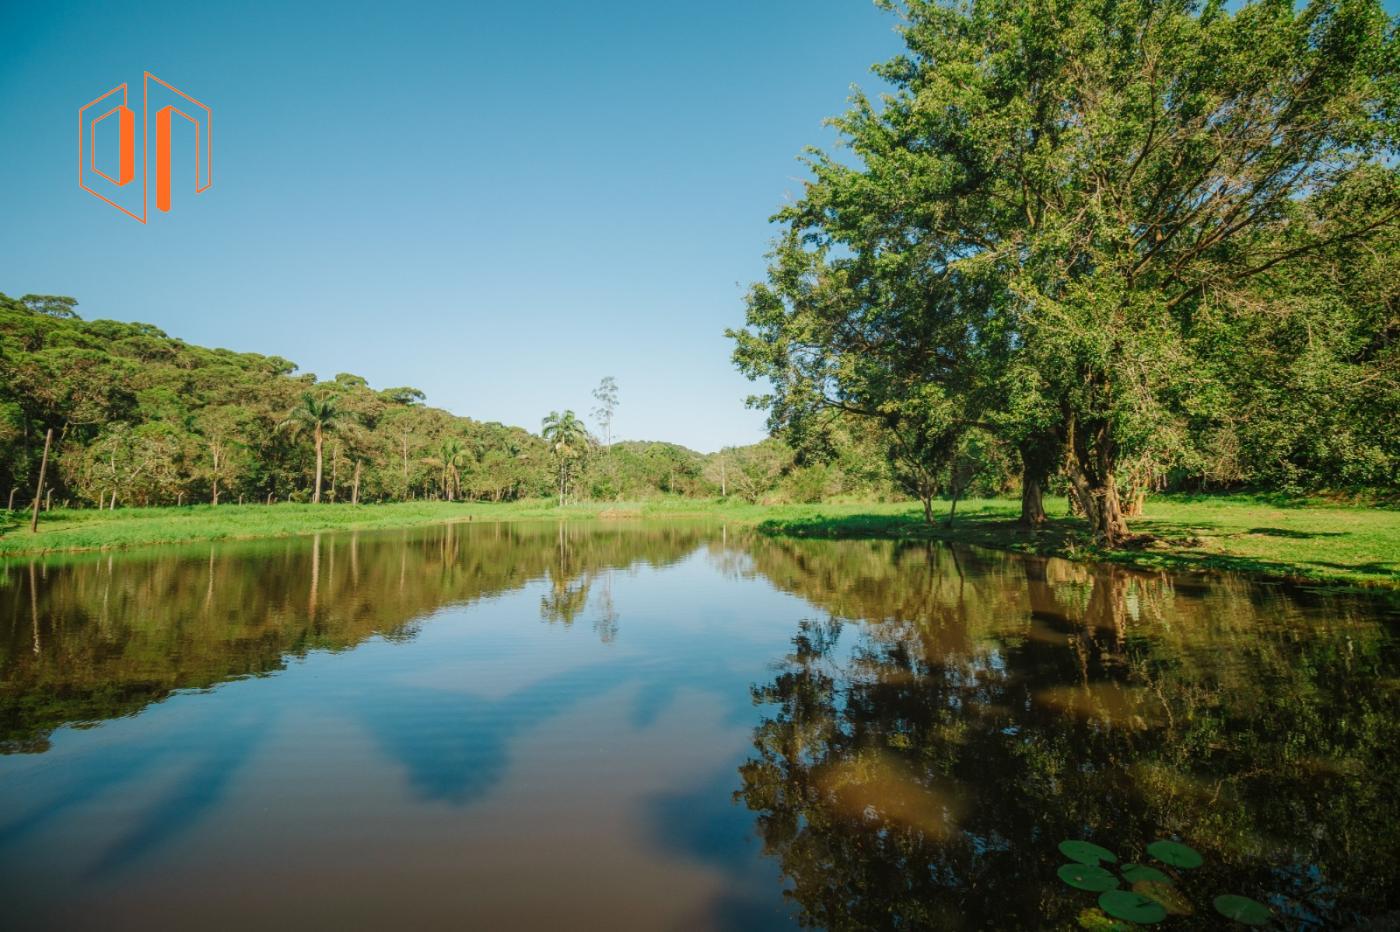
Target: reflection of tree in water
[572, 577]
[91, 638]
[917, 771]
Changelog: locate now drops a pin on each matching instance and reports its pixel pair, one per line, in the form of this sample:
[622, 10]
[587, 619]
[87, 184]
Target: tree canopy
[1094, 231]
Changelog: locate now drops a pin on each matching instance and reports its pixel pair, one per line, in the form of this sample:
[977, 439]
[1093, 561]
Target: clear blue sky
[496, 203]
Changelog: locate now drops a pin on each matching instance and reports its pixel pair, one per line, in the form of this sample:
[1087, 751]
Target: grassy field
[1347, 544]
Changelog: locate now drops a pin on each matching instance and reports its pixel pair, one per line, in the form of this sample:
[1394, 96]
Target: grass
[1348, 544]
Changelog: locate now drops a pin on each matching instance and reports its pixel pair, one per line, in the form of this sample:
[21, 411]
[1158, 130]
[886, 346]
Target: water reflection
[909, 728]
[95, 638]
[923, 764]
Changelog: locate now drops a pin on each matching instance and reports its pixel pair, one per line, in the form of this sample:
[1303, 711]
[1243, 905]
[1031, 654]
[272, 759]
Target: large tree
[568, 443]
[317, 414]
[1041, 216]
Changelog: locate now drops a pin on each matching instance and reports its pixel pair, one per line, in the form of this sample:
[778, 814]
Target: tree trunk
[316, 493]
[1097, 497]
[1091, 478]
[953, 510]
[214, 454]
[1039, 453]
[355, 494]
[39, 489]
[1032, 501]
[13, 490]
[927, 499]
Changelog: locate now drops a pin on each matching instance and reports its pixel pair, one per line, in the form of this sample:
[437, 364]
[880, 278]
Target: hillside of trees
[1125, 246]
[148, 419]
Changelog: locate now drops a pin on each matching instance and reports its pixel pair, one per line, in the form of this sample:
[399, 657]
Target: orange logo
[125, 121]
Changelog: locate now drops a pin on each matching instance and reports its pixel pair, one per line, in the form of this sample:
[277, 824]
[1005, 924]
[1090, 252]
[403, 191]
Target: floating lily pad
[1172, 899]
[1086, 852]
[1242, 909]
[1096, 921]
[1134, 907]
[1136, 872]
[1175, 853]
[1087, 877]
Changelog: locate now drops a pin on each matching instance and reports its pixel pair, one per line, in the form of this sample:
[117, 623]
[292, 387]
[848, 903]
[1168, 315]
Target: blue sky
[496, 203]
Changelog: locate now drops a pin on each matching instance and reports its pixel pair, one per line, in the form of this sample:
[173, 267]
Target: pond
[635, 725]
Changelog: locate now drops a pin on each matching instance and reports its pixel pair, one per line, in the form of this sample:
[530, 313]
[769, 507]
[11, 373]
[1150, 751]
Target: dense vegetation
[142, 418]
[1123, 246]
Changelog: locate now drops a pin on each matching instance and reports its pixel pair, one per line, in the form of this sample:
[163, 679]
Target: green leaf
[1172, 899]
[1086, 852]
[1135, 872]
[1095, 921]
[1175, 853]
[1134, 907]
[1087, 877]
[1242, 909]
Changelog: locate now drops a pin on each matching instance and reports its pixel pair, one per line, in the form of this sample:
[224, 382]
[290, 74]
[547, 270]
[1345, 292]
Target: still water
[631, 725]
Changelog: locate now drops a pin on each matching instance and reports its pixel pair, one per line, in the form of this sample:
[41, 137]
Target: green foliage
[1086, 852]
[1134, 907]
[1242, 909]
[1109, 236]
[154, 419]
[1087, 877]
[1175, 854]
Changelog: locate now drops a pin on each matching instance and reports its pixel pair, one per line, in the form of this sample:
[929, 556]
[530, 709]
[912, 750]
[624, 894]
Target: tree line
[1125, 246]
[142, 418]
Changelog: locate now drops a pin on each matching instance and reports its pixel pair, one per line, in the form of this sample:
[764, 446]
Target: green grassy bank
[1348, 544]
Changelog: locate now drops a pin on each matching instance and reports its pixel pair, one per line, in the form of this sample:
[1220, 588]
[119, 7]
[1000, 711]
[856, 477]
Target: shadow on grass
[1175, 546]
[1293, 535]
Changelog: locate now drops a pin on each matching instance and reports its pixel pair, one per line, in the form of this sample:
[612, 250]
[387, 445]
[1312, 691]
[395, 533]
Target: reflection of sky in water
[489, 755]
[563, 748]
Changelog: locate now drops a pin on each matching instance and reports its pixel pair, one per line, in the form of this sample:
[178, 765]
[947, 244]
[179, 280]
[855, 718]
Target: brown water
[674, 726]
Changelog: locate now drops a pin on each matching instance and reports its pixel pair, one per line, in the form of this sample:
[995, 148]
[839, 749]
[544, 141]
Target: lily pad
[1096, 921]
[1136, 872]
[1242, 909]
[1086, 852]
[1134, 907]
[1172, 899]
[1087, 877]
[1175, 853]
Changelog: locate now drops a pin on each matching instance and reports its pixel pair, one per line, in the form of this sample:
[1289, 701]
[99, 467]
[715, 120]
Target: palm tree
[317, 414]
[451, 455]
[568, 441]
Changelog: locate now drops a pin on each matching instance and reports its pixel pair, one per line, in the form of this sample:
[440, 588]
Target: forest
[141, 418]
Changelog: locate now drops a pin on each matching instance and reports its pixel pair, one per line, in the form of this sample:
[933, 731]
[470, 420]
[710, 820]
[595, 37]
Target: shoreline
[1351, 546]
